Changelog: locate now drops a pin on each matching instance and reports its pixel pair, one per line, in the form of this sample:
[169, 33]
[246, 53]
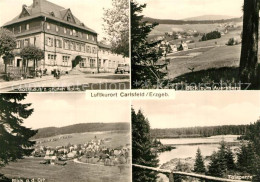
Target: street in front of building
[80, 82]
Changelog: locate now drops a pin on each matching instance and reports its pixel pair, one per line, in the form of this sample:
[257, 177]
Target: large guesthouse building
[62, 37]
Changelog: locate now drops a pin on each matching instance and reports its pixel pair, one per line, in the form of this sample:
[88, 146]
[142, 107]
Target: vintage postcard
[195, 44]
[63, 45]
[64, 137]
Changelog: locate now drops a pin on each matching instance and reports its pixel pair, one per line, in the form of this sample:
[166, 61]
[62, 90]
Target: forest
[206, 131]
[182, 22]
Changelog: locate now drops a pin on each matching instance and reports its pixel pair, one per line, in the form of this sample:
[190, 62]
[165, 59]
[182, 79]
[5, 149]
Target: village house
[174, 47]
[61, 36]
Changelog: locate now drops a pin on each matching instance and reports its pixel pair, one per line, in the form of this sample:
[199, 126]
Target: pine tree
[214, 166]
[242, 158]
[146, 69]
[199, 166]
[230, 159]
[14, 138]
[141, 148]
[222, 156]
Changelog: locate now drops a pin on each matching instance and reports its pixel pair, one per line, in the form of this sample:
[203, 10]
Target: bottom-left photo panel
[64, 137]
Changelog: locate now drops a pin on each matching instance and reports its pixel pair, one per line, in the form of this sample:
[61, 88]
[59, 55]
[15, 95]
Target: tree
[141, 148]
[230, 159]
[8, 57]
[251, 152]
[249, 52]
[222, 156]
[214, 166]
[199, 166]
[7, 45]
[116, 25]
[32, 53]
[15, 138]
[76, 61]
[145, 56]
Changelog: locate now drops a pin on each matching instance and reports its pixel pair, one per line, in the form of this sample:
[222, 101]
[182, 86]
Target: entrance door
[19, 63]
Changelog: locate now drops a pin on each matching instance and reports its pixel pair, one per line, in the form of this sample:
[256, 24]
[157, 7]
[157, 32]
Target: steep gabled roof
[48, 9]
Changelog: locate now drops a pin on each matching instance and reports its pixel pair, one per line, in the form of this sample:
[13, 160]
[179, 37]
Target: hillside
[209, 17]
[182, 22]
[81, 128]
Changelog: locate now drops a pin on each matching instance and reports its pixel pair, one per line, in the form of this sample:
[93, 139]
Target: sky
[181, 9]
[90, 12]
[63, 109]
[191, 109]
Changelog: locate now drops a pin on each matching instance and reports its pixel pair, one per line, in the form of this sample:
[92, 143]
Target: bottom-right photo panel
[209, 136]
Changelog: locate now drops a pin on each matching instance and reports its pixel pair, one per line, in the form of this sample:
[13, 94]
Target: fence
[170, 174]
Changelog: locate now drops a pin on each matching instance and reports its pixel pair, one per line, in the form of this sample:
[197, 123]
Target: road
[69, 83]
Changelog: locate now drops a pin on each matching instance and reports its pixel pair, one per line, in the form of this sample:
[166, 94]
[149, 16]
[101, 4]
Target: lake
[187, 147]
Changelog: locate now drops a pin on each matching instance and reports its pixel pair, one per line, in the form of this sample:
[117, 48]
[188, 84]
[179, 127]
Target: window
[94, 51]
[49, 42]
[74, 32]
[93, 38]
[72, 46]
[52, 59]
[70, 32]
[87, 36]
[80, 34]
[48, 26]
[65, 60]
[82, 48]
[92, 63]
[99, 63]
[26, 42]
[68, 17]
[82, 63]
[27, 27]
[58, 43]
[18, 44]
[20, 29]
[77, 47]
[88, 50]
[67, 45]
[57, 28]
[65, 30]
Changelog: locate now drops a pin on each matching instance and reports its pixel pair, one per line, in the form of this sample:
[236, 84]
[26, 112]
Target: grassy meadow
[30, 168]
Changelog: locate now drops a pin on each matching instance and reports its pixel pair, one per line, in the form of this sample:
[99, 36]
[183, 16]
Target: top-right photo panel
[195, 44]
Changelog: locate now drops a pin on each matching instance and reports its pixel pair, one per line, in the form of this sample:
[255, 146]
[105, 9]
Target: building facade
[61, 36]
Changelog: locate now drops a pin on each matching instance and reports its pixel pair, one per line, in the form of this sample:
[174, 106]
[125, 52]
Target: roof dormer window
[27, 27]
[69, 18]
[48, 26]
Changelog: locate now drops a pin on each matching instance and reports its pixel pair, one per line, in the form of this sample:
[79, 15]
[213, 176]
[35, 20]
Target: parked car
[122, 68]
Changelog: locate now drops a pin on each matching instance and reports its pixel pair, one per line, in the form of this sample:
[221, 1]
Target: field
[30, 168]
[216, 57]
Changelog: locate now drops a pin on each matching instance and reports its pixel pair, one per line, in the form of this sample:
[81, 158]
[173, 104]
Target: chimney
[36, 3]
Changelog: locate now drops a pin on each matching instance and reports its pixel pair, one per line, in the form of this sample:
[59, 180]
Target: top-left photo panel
[64, 45]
